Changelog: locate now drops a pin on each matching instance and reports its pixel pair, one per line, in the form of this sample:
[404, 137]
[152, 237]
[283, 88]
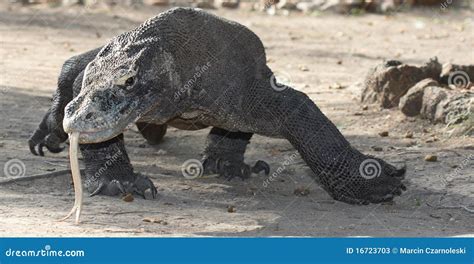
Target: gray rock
[309, 6]
[456, 109]
[410, 104]
[457, 75]
[388, 82]
[286, 4]
[432, 96]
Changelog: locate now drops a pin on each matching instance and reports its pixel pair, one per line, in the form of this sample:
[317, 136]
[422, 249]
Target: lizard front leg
[108, 170]
[224, 155]
[50, 133]
[44, 136]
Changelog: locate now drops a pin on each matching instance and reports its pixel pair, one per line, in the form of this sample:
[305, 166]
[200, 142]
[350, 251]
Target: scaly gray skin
[144, 75]
[108, 169]
[102, 175]
[50, 133]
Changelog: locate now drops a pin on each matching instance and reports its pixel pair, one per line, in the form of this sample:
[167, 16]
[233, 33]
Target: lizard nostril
[89, 115]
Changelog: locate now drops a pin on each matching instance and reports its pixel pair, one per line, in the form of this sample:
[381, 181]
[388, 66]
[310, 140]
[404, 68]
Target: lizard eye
[130, 81]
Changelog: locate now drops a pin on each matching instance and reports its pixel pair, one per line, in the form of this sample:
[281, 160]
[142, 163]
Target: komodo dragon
[192, 70]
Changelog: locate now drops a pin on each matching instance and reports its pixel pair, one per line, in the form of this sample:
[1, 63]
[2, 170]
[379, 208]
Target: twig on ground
[464, 207]
[35, 177]
[134, 212]
[453, 151]
[55, 164]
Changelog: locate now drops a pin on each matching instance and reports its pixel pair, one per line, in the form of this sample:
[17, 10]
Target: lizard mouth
[97, 129]
[89, 137]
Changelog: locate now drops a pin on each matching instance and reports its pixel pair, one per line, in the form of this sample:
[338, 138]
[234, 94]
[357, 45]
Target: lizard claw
[40, 149]
[231, 168]
[115, 187]
[32, 146]
[259, 166]
[50, 142]
[143, 183]
[383, 188]
[98, 189]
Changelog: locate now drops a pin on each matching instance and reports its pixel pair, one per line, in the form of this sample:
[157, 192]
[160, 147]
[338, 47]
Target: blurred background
[273, 6]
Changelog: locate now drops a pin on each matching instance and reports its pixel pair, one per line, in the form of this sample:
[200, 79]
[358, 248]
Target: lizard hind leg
[151, 132]
[224, 155]
[344, 172]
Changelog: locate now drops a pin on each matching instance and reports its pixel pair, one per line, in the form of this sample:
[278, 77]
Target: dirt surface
[320, 55]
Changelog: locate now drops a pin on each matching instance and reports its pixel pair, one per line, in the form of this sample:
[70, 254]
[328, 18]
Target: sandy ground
[35, 42]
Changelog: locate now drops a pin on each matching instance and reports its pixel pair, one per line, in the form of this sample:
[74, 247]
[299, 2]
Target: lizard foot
[380, 186]
[47, 135]
[230, 168]
[115, 187]
[51, 143]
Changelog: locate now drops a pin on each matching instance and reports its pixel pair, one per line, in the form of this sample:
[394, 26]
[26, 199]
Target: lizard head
[125, 80]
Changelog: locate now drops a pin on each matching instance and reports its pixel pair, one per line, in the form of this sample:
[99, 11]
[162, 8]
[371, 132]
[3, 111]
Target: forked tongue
[76, 176]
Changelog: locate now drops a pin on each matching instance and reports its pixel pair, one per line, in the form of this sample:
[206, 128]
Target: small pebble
[155, 221]
[336, 86]
[128, 198]
[431, 158]
[161, 152]
[365, 107]
[303, 68]
[409, 135]
[383, 134]
[231, 209]
[376, 148]
[435, 216]
[431, 140]
[301, 191]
